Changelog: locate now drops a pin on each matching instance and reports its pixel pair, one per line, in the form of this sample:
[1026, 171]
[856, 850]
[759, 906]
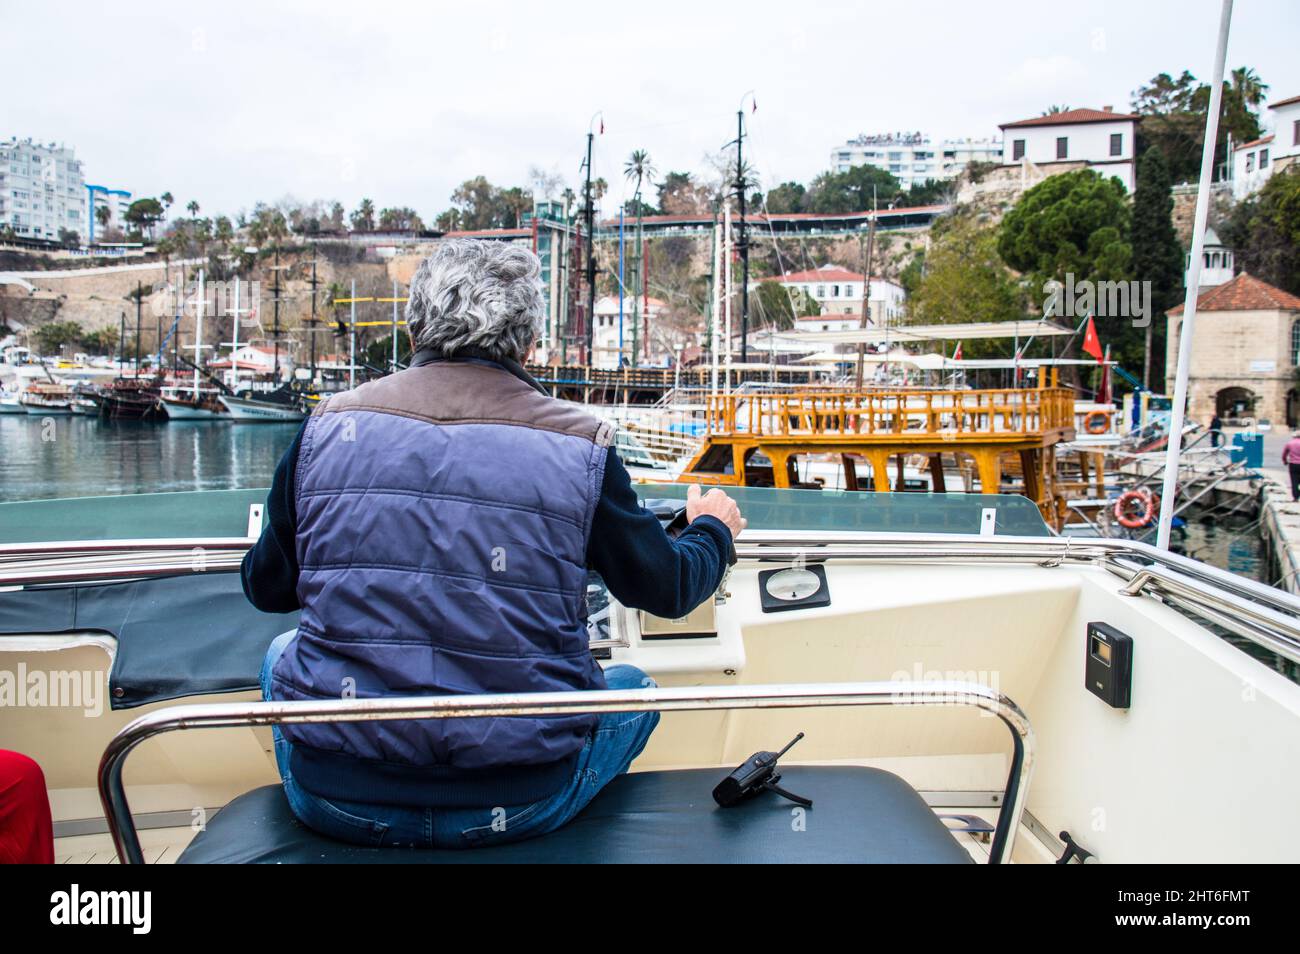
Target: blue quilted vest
[443, 515]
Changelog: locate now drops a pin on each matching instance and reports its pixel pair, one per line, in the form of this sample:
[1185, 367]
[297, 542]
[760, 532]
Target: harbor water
[46, 457]
[1233, 545]
[85, 456]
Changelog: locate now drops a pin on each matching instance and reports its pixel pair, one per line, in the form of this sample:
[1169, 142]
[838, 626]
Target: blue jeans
[617, 739]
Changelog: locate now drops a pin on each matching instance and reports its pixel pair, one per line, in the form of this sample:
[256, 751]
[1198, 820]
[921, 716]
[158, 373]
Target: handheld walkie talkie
[756, 774]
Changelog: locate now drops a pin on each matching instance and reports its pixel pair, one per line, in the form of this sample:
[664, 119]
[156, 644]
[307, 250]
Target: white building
[912, 158]
[1286, 132]
[1102, 139]
[909, 157]
[827, 322]
[1254, 162]
[252, 361]
[42, 190]
[117, 201]
[956, 154]
[839, 292]
[1216, 263]
[605, 336]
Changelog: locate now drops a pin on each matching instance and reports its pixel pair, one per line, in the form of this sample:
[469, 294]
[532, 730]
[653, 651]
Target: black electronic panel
[1108, 666]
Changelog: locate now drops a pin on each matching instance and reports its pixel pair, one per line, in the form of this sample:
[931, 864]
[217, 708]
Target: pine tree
[1157, 254]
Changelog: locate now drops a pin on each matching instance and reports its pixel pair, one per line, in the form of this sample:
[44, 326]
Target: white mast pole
[717, 305]
[1167, 501]
[726, 294]
[198, 336]
[352, 338]
[234, 344]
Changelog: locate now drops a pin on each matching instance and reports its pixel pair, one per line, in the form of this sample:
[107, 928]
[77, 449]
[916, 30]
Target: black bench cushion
[859, 815]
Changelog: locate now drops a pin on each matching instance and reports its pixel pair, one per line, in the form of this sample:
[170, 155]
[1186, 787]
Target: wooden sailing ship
[1005, 438]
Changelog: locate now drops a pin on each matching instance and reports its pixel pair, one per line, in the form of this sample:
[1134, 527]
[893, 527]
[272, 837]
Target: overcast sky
[233, 102]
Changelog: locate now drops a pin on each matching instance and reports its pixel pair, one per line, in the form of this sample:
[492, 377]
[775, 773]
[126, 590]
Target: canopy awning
[971, 331]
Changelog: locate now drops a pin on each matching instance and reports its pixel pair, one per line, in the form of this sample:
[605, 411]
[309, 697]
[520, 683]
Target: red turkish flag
[956, 355]
[1091, 343]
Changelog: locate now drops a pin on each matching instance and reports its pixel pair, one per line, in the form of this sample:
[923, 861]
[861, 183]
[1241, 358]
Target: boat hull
[130, 404]
[187, 411]
[243, 410]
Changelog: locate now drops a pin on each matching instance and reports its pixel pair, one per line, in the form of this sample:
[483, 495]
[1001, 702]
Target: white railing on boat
[121, 824]
[1265, 615]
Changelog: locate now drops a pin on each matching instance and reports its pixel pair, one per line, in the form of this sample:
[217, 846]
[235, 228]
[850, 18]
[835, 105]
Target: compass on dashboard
[796, 587]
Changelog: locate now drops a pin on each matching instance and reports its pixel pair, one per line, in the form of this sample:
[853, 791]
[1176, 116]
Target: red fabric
[26, 829]
[1091, 343]
[1103, 391]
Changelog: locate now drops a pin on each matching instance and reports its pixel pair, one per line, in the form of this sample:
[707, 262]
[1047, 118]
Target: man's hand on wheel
[715, 504]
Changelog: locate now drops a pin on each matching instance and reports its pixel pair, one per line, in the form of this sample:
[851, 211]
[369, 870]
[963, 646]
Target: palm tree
[224, 232]
[639, 167]
[193, 208]
[1245, 82]
[363, 219]
[165, 247]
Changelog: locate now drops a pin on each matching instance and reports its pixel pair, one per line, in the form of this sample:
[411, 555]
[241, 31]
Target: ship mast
[198, 334]
[1177, 412]
[589, 213]
[275, 328]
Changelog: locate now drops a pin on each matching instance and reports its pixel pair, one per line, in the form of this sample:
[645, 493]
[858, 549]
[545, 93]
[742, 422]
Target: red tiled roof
[611, 301]
[490, 233]
[820, 275]
[1285, 102]
[240, 365]
[1254, 142]
[1071, 117]
[1244, 293]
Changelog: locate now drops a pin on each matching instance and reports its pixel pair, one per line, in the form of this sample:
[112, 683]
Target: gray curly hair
[477, 293]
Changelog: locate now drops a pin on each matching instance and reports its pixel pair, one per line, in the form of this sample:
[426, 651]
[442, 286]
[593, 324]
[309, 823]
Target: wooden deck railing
[949, 414]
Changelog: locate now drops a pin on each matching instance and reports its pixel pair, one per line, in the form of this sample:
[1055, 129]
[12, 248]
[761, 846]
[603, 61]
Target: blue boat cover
[176, 636]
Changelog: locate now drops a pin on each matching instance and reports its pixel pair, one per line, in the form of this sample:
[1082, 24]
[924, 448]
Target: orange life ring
[1130, 518]
[1097, 422]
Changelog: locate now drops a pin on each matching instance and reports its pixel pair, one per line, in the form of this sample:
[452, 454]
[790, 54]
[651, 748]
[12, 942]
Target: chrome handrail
[121, 824]
[1226, 595]
[1260, 624]
[1266, 616]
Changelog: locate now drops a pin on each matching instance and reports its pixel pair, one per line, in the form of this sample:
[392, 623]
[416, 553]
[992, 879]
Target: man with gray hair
[435, 528]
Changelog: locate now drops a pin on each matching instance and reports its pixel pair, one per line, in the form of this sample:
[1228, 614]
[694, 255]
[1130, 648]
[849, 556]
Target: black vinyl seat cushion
[859, 815]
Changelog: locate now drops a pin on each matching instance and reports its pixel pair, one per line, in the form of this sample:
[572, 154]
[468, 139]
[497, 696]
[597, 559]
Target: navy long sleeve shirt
[641, 565]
